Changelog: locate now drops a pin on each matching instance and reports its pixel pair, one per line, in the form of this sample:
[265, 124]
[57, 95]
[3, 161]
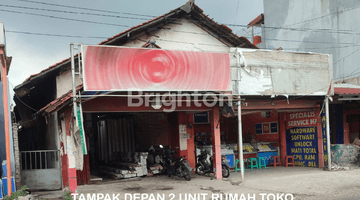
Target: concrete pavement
[270, 183]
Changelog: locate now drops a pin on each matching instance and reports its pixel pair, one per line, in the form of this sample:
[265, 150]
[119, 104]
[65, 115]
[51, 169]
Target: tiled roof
[198, 10]
[59, 101]
[257, 21]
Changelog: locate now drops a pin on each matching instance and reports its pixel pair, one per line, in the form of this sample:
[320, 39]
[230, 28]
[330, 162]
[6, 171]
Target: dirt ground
[270, 183]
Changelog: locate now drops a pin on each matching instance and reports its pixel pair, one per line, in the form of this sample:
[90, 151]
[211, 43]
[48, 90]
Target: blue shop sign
[301, 142]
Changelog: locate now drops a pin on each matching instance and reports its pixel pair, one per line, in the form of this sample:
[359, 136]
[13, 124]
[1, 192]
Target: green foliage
[19, 193]
[67, 196]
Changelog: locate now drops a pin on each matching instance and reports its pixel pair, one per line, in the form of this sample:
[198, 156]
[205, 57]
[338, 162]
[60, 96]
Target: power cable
[98, 37]
[21, 100]
[320, 17]
[90, 9]
[346, 56]
[92, 37]
[236, 25]
[107, 11]
[55, 35]
[69, 19]
[237, 9]
[352, 73]
[72, 12]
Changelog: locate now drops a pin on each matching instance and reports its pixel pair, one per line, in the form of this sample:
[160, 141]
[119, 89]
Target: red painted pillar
[346, 129]
[182, 122]
[215, 133]
[190, 142]
[282, 136]
[72, 179]
[320, 141]
[70, 150]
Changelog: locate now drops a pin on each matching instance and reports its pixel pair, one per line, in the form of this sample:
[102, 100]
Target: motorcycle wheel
[187, 173]
[199, 170]
[225, 172]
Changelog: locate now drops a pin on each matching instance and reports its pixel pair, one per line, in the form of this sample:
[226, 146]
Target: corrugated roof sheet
[346, 89]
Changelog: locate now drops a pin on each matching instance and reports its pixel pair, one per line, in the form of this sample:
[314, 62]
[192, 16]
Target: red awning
[346, 89]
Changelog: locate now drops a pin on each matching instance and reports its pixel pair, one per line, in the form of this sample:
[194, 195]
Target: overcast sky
[32, 52]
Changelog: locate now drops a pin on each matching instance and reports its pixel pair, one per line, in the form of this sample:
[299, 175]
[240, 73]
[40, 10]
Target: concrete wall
[200, 40]
[312, 15]
[52, 133]
[64, 83]
[17, 156]
[345, 154]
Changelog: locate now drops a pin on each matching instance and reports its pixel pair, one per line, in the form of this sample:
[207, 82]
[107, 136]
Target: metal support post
[328, 131]
[240, 141]
[73, 77]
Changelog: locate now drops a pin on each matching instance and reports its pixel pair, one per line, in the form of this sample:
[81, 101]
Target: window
[266, 128]
[273, 127]
[258, 128]
[201, 118]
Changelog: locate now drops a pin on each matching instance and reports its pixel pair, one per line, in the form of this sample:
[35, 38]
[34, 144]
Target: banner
[81, 128]
[301, 138]
[111, 68]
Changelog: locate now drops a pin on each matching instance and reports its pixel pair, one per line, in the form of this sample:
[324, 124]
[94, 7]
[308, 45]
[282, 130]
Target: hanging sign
[81, 128]
[301, 138]
[117, 68]
[323, 129]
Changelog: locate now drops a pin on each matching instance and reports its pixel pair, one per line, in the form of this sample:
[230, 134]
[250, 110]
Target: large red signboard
[124, 69]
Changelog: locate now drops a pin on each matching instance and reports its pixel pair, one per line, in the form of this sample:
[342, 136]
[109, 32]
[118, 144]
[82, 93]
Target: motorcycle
[206, 165]
[176, 166]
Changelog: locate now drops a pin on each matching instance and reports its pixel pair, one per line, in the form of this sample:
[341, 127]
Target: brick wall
[249, 121]
[151, 129]
[17, 156]
[229, 128]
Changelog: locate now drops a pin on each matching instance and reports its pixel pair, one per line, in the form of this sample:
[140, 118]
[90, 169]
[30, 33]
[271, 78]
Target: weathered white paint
[62, 135]
[64, 83]
[70, 148]
[2, 34]
[51, 136]
[273, 73]
[183, 137]
[177, 37]
[334, 16]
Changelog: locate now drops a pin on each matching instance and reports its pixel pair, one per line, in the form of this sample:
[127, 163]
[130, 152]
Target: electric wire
[235, 25]
[352, 73]
[237, 9]
[21, 100]
[293, 29]
[64, 18]
[98, 37]
[90, 9]
[73, 12]
[316, 18]
[55, 35]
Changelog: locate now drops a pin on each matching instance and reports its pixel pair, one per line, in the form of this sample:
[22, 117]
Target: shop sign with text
[301, 138]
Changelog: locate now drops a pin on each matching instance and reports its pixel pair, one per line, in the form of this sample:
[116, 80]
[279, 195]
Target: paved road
[270, 183]
[285, 183]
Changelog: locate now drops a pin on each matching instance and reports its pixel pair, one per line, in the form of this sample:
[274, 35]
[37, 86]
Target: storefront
[293, 131]
[280, 114]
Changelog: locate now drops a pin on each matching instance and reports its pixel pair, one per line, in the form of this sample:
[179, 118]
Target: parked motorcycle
[206, 165]
[176, 166]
